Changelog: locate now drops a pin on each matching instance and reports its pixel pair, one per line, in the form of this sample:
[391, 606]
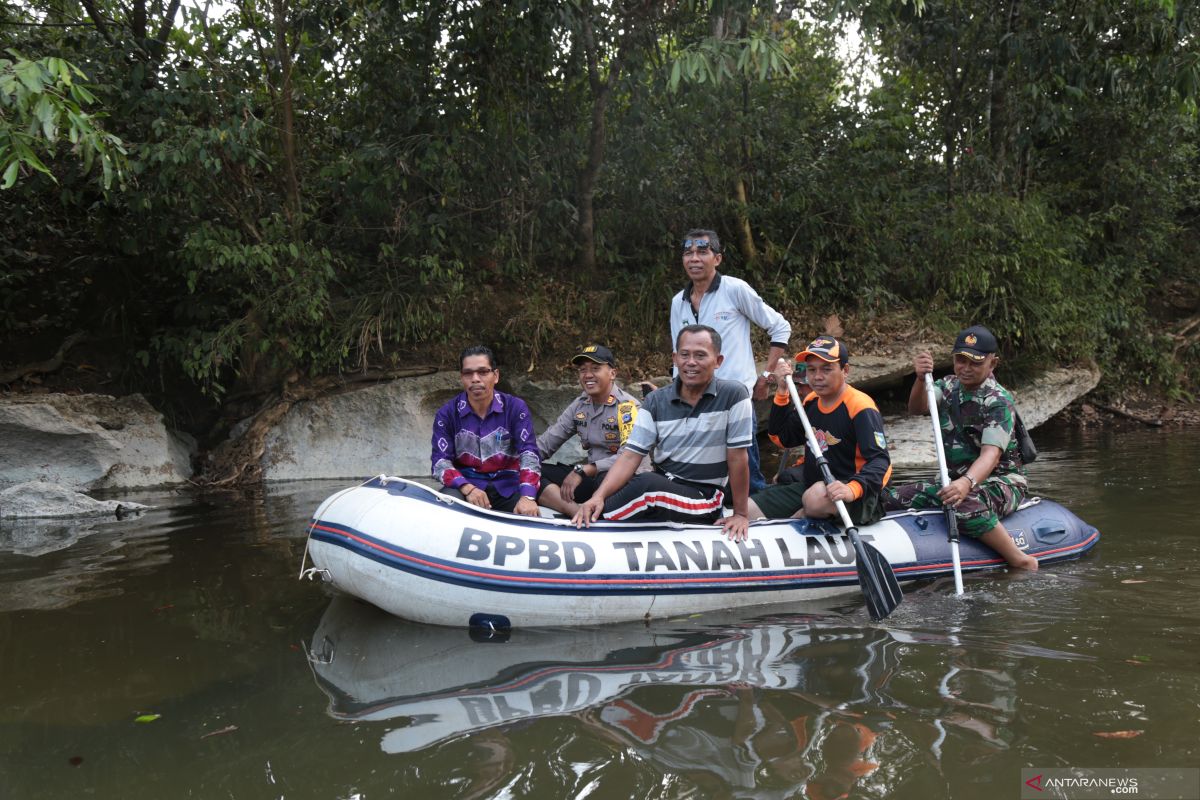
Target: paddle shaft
[810, 436]
[875, 575]
[951, 520]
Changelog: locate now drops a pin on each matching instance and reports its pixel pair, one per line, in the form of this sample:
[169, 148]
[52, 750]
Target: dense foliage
[313, 185]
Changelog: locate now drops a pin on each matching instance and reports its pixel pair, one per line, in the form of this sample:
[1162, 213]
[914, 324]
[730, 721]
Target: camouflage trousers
[978, 513]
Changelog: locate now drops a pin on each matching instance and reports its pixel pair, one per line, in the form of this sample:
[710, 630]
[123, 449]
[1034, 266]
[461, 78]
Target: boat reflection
[769, 704]
[728, 701]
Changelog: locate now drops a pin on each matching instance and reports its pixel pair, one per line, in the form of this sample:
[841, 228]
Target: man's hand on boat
[736, 526]
[526, 506]
[475, 496]
[588, 512]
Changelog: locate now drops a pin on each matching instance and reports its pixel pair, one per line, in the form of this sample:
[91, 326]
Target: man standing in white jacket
[728, 305]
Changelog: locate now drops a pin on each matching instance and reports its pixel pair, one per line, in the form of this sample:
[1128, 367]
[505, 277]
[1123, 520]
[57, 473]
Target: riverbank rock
[385, 428]
[910, 439]
[89, 442]
[41, 500]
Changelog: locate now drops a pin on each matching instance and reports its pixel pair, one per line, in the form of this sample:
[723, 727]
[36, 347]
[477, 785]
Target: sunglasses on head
[702, 246]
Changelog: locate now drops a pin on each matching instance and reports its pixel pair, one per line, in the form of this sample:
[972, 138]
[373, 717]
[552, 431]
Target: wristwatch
[766, 373]
[579, 470]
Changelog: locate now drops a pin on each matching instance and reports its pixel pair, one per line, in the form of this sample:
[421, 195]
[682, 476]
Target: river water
[176, 655]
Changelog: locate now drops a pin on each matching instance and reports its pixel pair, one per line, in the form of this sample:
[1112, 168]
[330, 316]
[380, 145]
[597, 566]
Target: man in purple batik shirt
[484, 446]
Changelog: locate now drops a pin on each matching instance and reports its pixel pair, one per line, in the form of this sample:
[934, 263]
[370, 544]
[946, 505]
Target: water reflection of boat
[432, 558]
[768, 706]
[442, 682]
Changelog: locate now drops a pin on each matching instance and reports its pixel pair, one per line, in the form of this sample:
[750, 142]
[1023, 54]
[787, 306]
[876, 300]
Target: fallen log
[43, 367]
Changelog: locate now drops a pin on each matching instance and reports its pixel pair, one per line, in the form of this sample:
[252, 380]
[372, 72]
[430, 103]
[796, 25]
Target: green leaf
[147, 717]
[10, 175]
[30, 75]
[48, 115]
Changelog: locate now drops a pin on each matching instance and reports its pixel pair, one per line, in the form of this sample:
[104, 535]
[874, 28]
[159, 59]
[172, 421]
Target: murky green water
[266, 688]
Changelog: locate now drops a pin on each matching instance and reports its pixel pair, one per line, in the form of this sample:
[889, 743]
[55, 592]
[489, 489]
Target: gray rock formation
[386, 428]
[38, 499]
[910, 439]
[89, 442]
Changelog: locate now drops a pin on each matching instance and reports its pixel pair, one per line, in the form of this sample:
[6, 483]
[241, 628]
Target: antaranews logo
[1107, 783]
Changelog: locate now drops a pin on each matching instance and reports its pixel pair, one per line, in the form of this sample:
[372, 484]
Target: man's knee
[975, 522]
[817, 504]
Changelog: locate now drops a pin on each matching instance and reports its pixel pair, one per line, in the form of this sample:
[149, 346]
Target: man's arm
[872, 446]
[751, 304]
[981, 468]
[784, 423]
[559, 432]
[755, 309]
[521, 425]
[776, 355]
[443, 452]
[622, 470]
[737, 525]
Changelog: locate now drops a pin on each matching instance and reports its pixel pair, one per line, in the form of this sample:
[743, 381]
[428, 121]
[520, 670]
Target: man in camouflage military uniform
[977, 416]
[602, 418]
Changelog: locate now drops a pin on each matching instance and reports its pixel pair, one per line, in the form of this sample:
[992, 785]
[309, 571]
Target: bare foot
[1025, 562]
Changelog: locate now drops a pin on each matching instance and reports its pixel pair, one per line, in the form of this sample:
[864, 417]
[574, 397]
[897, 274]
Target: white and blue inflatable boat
[433, 558]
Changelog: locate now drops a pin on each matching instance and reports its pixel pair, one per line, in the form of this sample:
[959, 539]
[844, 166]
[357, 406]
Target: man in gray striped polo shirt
[697, 429]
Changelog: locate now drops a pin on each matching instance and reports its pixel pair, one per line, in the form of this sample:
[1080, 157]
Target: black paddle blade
[879, 584]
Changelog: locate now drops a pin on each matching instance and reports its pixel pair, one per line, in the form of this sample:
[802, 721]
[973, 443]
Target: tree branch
[42, 367]
[168, 22]
[98, 21]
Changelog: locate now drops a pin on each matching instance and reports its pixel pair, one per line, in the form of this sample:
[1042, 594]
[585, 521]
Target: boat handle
[1050, 532]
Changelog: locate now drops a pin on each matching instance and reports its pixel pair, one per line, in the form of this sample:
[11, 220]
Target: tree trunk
[597, 136]
[287, 131]
[999, 126]
[950, 133]
[744, 231]
[586, 260]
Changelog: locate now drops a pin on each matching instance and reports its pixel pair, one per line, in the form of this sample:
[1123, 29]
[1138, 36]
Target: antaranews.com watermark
[1081, 783]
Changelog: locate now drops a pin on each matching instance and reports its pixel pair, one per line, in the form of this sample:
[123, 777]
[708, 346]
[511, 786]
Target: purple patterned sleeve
[444, 470]
[521, 425]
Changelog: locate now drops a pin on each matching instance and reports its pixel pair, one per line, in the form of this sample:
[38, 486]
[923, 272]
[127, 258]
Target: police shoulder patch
[880, 441]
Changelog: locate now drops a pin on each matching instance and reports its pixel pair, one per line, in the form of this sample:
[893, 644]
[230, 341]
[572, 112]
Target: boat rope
[308, 536]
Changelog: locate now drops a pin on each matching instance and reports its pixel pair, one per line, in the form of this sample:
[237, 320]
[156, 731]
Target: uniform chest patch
[827, 440]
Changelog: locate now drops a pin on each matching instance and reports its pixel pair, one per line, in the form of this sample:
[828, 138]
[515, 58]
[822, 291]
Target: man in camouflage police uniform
[601, 417]
[977, 416]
